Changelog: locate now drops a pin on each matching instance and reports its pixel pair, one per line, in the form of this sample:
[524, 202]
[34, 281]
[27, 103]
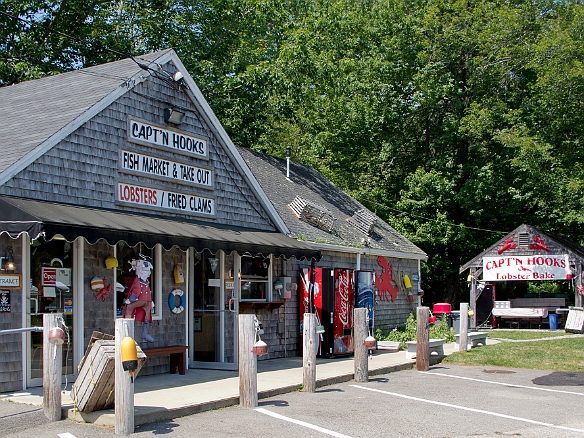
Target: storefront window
[126, 273]
[254, 278]
[51, 292]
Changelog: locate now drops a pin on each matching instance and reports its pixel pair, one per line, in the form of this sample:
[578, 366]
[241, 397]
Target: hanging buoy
[129, 356]
[260, 348]
[433, 319]
[56, 336]
[370, 342]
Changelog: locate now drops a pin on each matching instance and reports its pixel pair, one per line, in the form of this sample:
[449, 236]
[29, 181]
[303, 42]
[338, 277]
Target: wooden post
[423, 339]
[248, 363]
[52, 369]
[360, 332]
[473, 297]
[309, 352]
[463, 337]
[578, 298]
[124, 389]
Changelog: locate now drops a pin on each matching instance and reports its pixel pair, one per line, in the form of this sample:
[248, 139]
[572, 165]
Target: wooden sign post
[124, 389]
[423, 339]
[248, 363]
[360, 332]
[309, 352]
[52, 368]
[463, 327]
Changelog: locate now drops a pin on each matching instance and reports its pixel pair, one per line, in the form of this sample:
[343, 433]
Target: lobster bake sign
[534, 267]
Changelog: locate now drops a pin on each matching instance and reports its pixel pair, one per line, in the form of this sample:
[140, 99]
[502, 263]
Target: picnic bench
[177, 356]
[473, 339]
[527, 310]
[435, 345]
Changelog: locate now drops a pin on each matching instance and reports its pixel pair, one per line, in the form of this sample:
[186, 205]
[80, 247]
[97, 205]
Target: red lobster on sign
[508, 245]
[384, 282]
[539, 244]
[103, 293]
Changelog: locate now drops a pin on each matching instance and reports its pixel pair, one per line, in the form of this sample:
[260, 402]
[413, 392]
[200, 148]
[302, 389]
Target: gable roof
[34, 111]
[557, 245]
[313, 187]
[36, 115]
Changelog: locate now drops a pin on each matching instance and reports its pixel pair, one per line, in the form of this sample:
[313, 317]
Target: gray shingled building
[104, 164]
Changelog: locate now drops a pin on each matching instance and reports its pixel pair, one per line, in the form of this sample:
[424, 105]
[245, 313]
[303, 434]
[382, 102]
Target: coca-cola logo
[343, 288]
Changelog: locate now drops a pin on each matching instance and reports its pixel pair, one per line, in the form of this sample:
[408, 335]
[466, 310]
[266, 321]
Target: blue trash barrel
[553, 319]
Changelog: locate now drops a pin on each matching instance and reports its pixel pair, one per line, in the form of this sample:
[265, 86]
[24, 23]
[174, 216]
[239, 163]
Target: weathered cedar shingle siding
[83, 168]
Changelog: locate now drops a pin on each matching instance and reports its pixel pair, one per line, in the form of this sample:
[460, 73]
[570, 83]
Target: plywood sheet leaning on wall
[94, 387]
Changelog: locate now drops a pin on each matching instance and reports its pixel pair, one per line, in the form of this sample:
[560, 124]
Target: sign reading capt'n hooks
[177, 141]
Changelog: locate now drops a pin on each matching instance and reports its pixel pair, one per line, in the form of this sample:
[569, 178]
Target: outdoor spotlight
[172, 115]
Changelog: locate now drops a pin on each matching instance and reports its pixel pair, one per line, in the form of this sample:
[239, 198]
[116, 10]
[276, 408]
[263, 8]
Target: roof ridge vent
[363, 221]
[312, 213]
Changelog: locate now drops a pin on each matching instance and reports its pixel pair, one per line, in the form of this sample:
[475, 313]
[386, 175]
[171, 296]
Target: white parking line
[464, 408]
[301, 423]
[503, 384]
[65, 435]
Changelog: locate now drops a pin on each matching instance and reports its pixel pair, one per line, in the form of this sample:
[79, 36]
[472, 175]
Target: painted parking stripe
[65, 435]
[301, 423]
[503, 384]
[464, 408]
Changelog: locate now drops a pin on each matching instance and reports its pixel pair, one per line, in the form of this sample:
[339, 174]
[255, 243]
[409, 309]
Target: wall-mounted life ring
[171, 301]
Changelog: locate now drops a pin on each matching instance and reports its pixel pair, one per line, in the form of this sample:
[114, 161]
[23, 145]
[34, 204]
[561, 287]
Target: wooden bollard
[309, 352]
[124, 388]
[423, 339]
[52, 368]
[463, 335]
[360, 332]
[248, 363]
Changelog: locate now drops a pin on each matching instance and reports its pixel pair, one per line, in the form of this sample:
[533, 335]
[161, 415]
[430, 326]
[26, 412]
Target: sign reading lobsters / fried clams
[158, 199]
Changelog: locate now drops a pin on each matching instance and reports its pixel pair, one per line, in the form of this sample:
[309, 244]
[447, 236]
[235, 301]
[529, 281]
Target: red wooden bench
[177, 356]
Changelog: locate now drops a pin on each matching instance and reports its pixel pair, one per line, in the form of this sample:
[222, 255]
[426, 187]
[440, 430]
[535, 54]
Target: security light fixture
[174, 116]
[178, 76]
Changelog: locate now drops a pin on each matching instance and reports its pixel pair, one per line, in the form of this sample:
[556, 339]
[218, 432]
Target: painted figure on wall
[139, 296]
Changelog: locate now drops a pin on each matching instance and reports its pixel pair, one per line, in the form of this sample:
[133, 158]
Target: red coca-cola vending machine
[332, 292]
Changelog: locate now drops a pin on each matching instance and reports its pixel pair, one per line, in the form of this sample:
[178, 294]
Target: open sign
[52, 276]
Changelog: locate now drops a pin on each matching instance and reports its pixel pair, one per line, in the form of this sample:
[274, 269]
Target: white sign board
[182, 142]
[166, 169]
[536, 267]
[165, 200]
[575, 320]
[10, 280]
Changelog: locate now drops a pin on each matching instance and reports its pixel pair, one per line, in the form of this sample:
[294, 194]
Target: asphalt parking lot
[447, 401]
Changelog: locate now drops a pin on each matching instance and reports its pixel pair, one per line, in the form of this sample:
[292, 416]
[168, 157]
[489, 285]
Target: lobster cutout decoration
[539, 244]
[507, 245]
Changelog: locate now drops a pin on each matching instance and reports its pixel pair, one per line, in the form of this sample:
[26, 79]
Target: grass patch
[556, 355]
[520, 335]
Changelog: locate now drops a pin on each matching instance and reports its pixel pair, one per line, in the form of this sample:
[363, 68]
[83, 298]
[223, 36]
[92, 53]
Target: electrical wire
[431, 219]
[93, 44]
[61, 320]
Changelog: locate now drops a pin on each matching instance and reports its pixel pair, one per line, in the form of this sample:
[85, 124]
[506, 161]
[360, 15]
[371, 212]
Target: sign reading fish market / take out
[177, 141]
[534, 267]
[157, 199]
[156, 167]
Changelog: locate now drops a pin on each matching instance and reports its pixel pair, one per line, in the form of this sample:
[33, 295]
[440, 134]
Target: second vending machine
[331, 296]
